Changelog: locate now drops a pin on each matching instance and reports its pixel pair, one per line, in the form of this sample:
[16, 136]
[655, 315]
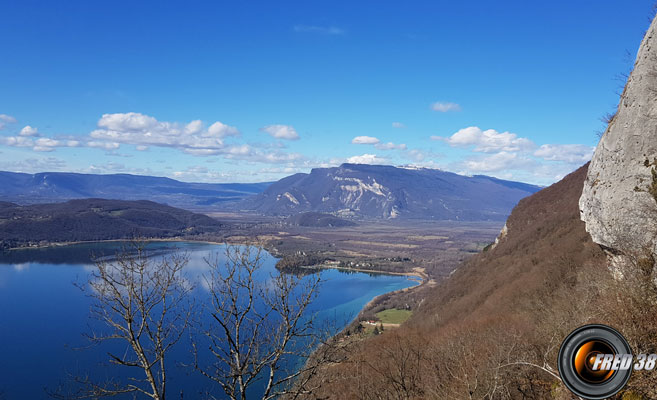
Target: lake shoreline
[418, 274]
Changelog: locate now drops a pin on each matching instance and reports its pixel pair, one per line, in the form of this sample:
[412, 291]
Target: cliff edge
[619, 199]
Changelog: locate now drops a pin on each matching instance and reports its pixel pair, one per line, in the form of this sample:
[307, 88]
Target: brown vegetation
[493, 329]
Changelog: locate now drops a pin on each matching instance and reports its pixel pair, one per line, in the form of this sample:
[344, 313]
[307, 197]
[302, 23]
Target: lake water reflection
[44, 316]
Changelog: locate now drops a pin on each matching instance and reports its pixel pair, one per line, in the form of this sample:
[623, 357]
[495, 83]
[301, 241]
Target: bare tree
[143, 304]
[259, 326]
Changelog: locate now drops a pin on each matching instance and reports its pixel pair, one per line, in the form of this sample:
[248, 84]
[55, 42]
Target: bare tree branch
[258, 328]
[144, 304]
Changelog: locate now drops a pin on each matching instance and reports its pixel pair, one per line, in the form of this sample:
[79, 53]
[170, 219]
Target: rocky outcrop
[619, 200]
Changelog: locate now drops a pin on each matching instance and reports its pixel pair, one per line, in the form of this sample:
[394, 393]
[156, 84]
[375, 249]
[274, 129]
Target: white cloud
[17, 141]
[6, 119]
[222, 130]
[239, 150]
[324, 30]
[130, 122]
[498, 162]
[511, 157]
[365, 140]
[143, 130]
[286, 132]
[445, 107]
[247, 153]
[377, 143]
[570, 153]
[398, 125]
[37, 144]
[104, 145]
[29, 131]
[45, 144]
[194, 127]
[390, 146]
[367, 159]
[488, 141]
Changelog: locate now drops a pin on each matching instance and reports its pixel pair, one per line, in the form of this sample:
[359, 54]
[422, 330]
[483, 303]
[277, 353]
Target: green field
[393, 316]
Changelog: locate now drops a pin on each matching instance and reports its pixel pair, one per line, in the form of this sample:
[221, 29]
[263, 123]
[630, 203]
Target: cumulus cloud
[499, 162]
[29, 131]
[286, 132]
[488, 141]
[194, 127]
[390, 146]
[509, 156]
[221, 130]
[103, 145]
[323, 30]
[6, 119]
[143, 131]
[365, 140]
[130, 122]
[37, 144]
[398, 125]
[367, 159]
[445, 107]
[193, 138]
[46, 144]
[570, 153]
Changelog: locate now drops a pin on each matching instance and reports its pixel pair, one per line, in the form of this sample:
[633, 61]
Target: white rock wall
[616, 203]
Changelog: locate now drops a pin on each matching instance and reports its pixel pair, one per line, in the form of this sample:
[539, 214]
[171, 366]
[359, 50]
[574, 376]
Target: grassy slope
[394, 316]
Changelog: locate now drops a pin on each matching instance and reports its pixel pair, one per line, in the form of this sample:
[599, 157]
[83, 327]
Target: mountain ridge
[382, 191]
[47, 187]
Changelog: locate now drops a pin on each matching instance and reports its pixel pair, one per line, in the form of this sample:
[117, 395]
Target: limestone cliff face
[619, 200]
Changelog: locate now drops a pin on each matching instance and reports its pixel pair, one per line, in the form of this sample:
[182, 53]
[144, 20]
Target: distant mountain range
[97, 219]
[48, 187]
[350, 191]
[377, 191]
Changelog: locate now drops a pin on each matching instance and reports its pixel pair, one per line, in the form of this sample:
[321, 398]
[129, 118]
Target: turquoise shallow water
[44, 316]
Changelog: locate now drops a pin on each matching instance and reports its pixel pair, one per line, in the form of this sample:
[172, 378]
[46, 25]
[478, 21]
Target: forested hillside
[97, 219]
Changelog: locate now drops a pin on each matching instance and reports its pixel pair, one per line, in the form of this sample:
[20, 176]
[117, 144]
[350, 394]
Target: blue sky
[254, 91]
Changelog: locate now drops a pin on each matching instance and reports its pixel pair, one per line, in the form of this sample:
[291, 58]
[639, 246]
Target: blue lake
[44, 316]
